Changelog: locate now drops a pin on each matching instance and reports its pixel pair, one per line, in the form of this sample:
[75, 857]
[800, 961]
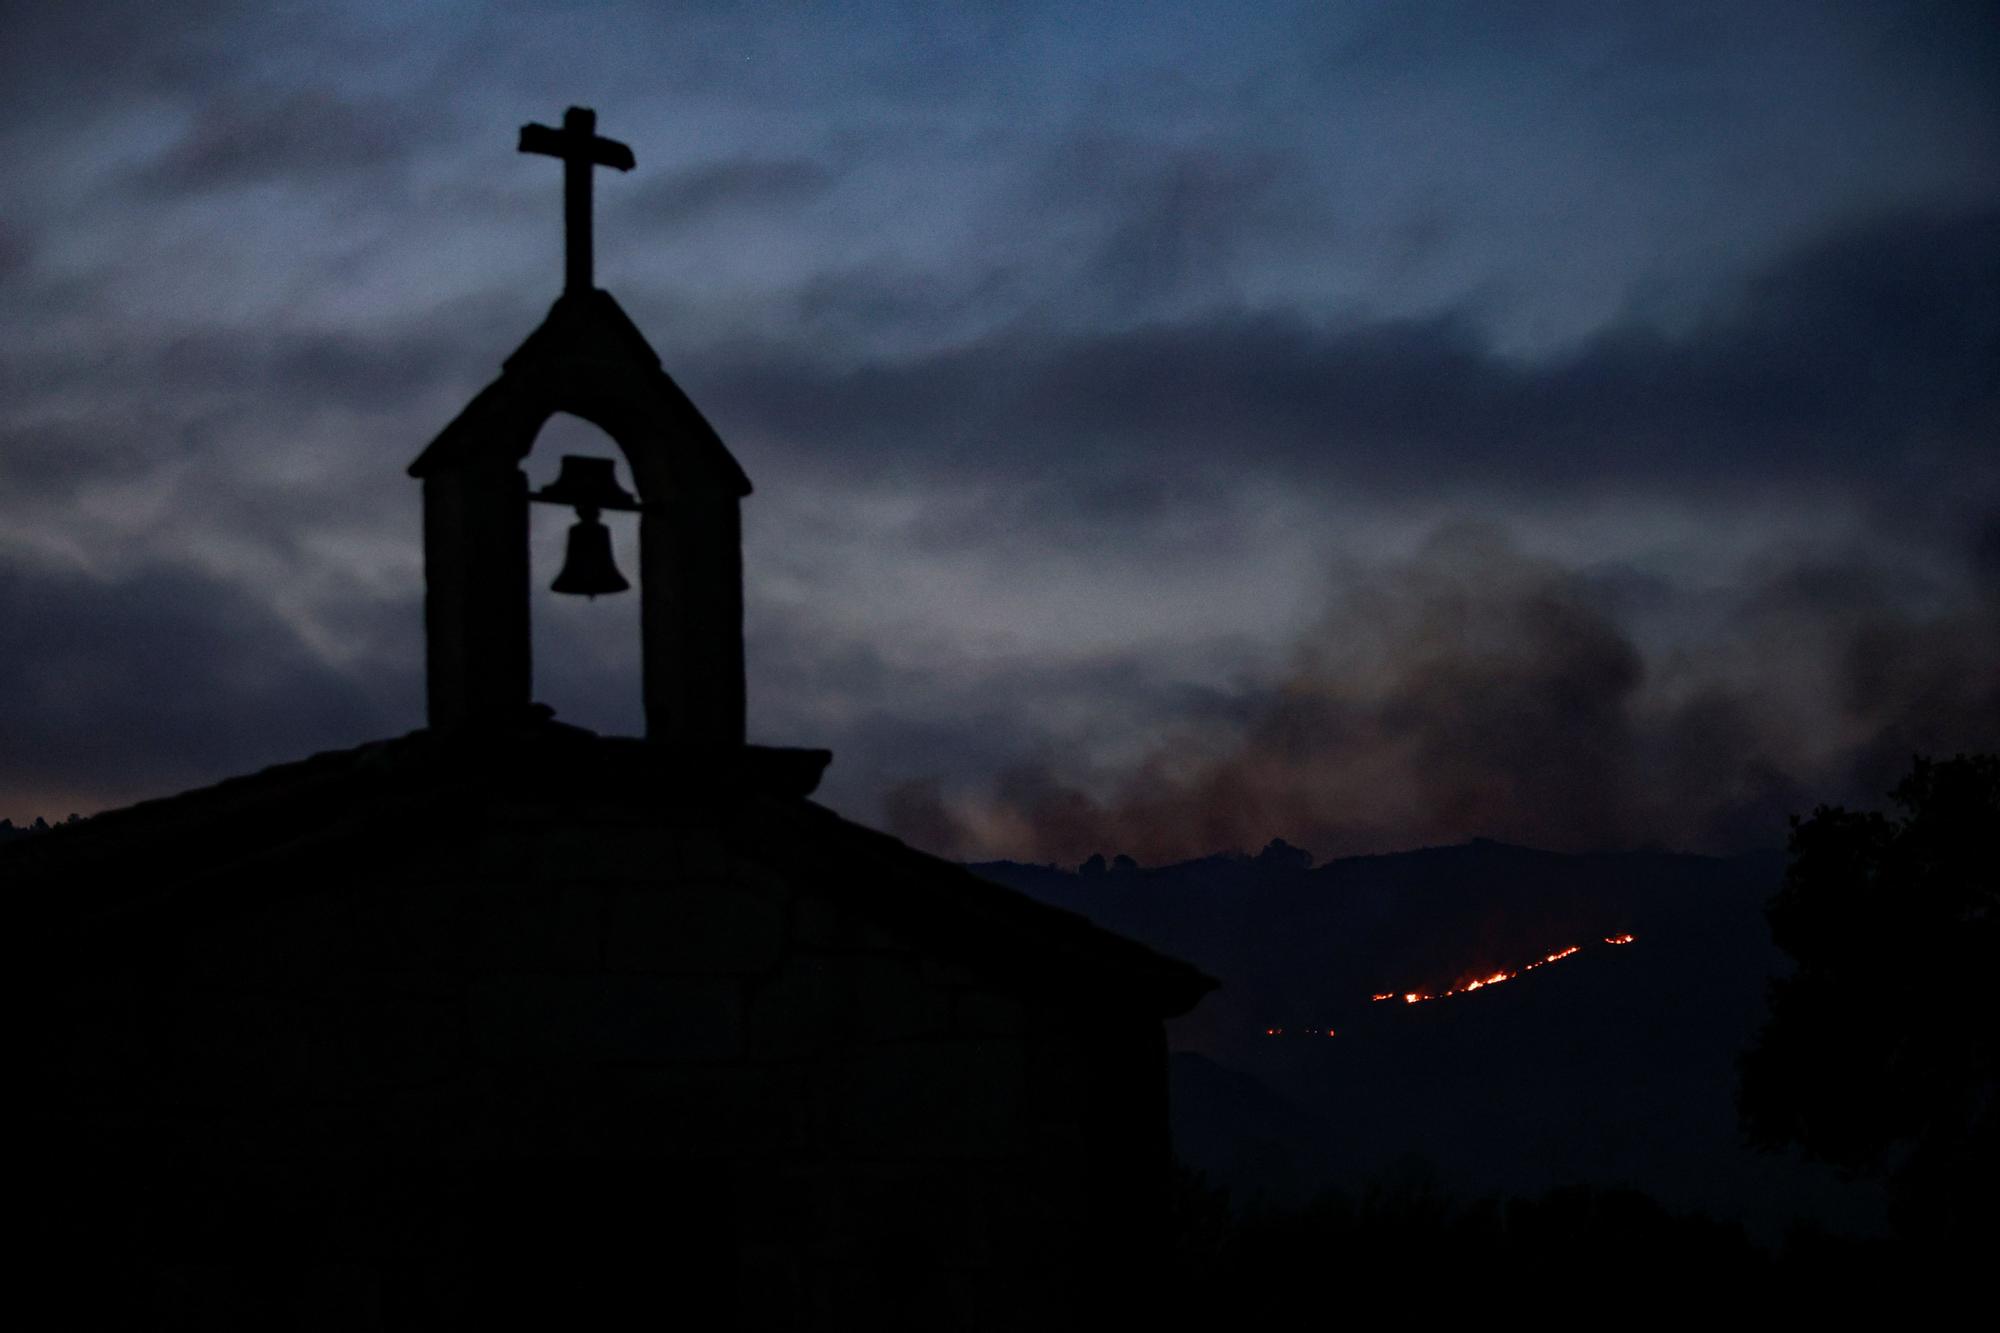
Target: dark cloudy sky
[1174, 425]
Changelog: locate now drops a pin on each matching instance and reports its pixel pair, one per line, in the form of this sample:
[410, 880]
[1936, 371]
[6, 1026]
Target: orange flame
[1481, 983]
[1477, 983]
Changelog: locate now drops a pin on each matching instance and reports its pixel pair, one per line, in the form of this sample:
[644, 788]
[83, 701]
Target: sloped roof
[201, 851]
[588, 358]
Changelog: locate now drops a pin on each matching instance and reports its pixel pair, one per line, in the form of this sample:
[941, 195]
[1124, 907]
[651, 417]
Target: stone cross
[578, 145]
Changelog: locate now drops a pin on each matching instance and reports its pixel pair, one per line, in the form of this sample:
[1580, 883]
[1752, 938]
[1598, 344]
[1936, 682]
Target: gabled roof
[339, 813]
[588, 358]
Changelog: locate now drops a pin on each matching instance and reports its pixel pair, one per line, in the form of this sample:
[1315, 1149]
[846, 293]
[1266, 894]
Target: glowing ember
[1477, 983]
[1494, 979]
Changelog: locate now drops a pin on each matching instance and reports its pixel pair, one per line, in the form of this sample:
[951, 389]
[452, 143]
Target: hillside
[1614, 1064]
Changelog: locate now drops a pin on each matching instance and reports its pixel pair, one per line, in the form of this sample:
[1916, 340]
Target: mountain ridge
[1614, 1067]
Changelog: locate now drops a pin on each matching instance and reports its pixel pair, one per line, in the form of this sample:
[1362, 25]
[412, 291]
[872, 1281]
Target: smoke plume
[1477, 690]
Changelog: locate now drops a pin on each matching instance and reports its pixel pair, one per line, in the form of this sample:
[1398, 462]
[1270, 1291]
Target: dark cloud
[848, 306]
[52, 460]
[1167, 223]
[1872, 359]
[231, 398]
[887, 719]
[302, 371]
[891, 708]
[1476, 691]
[713, 188]
[164, 679]
[917, 811]
[16, 249]
[1108, 288]
[264, 439]
[265, 135]
[91, 51]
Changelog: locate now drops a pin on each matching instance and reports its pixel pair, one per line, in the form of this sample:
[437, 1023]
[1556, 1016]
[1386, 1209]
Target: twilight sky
[1174, 425]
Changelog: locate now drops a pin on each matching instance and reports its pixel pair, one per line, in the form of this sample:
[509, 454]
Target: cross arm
[594, 149]
[611, 153]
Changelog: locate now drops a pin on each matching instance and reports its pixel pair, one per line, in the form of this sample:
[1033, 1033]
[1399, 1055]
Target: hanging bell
[588, 568]
[587, 483]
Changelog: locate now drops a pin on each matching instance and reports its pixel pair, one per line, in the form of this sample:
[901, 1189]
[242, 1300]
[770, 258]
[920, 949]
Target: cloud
[257, 136]
[1867, 360]
[1151, 229]
[712, 188]
[16, 249]
[89, 51]
[1474, 690]
[244, 446]
[1087, 317]
[920, 700]
[164, 679]
[299, 371]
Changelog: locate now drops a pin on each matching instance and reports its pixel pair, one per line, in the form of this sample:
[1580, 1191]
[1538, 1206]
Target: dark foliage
[1402, 1249]
[1879, 1052]
[9, 830]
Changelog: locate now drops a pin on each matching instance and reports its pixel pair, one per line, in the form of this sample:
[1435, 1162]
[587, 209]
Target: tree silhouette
[1878, 1055]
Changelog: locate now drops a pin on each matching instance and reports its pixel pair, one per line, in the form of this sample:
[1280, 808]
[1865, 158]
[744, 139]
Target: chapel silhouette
[503, 1021]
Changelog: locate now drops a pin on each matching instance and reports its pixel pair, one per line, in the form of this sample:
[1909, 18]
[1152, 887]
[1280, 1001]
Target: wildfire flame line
[1477, 983]
[1481, 983]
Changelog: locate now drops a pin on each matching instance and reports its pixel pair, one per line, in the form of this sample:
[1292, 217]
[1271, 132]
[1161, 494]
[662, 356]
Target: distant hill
[1613, 1065]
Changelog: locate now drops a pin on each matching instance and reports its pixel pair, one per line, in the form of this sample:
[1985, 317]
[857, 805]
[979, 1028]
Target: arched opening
[587, 651]
[487, 563]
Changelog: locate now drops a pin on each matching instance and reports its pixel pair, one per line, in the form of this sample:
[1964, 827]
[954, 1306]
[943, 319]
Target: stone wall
[658, 1061]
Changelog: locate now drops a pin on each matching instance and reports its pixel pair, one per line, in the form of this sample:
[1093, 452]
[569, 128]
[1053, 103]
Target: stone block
[779, 1202]
[753, 875]
[816, 923]
[799, 1010]
[888, 999]
[605, 1017]
[982, 1013]
[409, 926]
[1058, 1079]
[938, 1207]
[99, 1025]
[483, 1112]
[236, 1047]
[940, 972]
[932, 1099]
[529, 926]
[518, 849]
[822, 1001]
[874, 938]
[277, 941]
[704, 856]
[770, 1287]
[698, 929]
[819, 923]
[610, 852]
[366, 1032]
[696, 1112]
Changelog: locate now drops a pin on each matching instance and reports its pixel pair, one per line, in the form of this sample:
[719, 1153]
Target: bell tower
[588, 359]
